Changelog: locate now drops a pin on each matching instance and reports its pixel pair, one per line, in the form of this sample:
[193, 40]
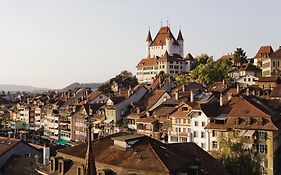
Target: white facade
[247, 80]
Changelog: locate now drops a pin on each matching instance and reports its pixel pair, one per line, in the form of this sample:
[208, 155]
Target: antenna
[167, 21]
[161, 22]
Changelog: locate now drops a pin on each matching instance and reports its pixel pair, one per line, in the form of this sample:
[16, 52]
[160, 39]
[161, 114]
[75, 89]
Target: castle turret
[180, 40]
[169, 41]
[148, 42]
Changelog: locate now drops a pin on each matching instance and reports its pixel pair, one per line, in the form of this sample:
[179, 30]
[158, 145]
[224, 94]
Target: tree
[240, 56]
[206, 74]
[237, 158]
[203, 59]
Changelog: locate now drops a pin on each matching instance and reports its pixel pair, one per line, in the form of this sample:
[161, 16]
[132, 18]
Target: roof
[276, 92]
[249, 67]
[154, 61]
[146, 154]
[264, 51]
[268, 79]
[162, 35]
[180, 37]
[189, 57]
[245, 109]
[149, 101]
[277, 53]
[228, 57]
[148, 38]
[7, 144]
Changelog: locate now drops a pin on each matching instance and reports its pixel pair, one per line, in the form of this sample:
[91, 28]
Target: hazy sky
[52, 43]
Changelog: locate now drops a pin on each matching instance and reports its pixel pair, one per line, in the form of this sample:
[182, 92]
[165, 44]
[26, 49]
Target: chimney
[177, 95]
[221, 102]
[183, 88]
[46, 155]
[248, 92]
[191, 96]
[223, 82]
[237, 88]
[129, 92]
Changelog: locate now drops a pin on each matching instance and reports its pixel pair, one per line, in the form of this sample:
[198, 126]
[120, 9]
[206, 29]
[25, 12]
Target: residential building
[258, 123]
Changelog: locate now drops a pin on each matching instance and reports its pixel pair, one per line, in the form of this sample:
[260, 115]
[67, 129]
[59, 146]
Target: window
[194, 134]
[79, 170]
[188, 129]
[249, 79]
[171, 66]
[199, 113]
[262, 135]
[203, 145]
[178, 121]
[262, 148]
[52, 165]
[184, 108]
[214, 144]
[184, 139]
[183, 129]
[188, 121]
[236, 120]
[203, 124]
[60, 168]
[195, 123]
[214, 133]
[202, 134]
[245, 79]
[184, 121]
[248, 121]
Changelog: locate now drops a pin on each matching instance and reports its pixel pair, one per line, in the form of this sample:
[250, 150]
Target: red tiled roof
[277, 53]
[228, 57]
[162, 35]
[264, 51]
[268, 79]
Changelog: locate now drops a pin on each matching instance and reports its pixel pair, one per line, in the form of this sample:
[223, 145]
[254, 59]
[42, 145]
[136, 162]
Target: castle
[164, 53]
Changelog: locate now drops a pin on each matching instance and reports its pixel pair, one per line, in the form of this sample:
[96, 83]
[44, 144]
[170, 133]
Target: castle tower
[180, 40]
[169, 41]
[148, 43]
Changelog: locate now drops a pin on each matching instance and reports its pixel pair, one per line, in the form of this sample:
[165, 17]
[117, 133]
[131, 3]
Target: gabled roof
[264, 51]
[276, 92]
[277, 53]
[249, 67]
[162, 35]
[189, 57]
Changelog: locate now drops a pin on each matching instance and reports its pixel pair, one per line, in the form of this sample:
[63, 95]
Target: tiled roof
[228, 57]
[276, 92]
[264, 51]
[249, 67]
[154, 61]
[147, 154]
[162, 35]
[189, 57]
[268, 79]
[6, 144]
[148, 38]
[277, 53]
[147, 102]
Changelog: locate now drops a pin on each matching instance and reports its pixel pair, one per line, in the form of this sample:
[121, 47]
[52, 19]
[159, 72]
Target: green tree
[240, 56]
[203, 59]
[236, 157]
[206, 74]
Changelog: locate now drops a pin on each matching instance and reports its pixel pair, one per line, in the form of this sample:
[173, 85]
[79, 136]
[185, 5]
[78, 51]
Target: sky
[54, 43]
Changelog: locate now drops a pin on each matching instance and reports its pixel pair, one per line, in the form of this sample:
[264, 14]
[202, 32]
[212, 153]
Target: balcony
[178, 133]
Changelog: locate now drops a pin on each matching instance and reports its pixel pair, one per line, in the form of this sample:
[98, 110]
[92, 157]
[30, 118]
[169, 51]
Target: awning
[61, 142]
[249, 133]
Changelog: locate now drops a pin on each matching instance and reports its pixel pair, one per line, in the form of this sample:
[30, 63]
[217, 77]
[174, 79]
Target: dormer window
[248, 121]
[236, 120]
[260, 121]
[184, 108]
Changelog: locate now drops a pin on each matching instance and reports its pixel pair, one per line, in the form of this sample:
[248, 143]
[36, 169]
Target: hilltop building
[165, 54]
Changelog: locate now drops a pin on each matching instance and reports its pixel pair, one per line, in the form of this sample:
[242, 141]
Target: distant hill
[22, 88]
[72, 86]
